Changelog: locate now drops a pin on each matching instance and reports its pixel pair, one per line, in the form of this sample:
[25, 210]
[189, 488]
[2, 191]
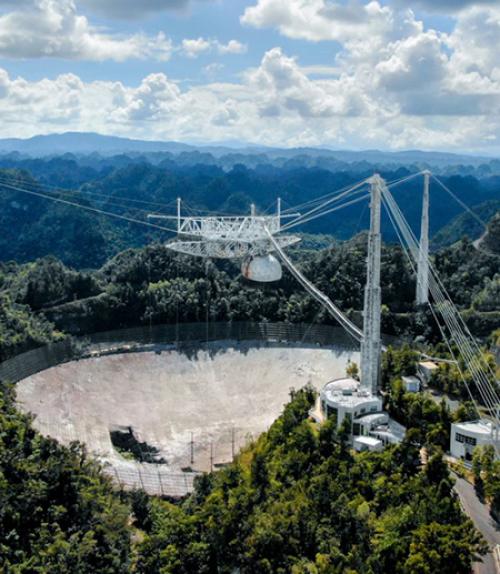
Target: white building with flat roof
[364, 443]
[346, 399]
[466, 436]
[426, 369]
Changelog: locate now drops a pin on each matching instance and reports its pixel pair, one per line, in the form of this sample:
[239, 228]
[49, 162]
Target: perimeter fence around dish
[181, 336]
[155, 479]
[160, 479]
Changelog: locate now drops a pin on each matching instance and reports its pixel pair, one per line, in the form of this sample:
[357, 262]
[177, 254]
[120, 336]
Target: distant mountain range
[89, 143]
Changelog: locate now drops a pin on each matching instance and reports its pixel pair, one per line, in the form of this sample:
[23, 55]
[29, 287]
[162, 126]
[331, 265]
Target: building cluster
[357, 405]
[348, 403]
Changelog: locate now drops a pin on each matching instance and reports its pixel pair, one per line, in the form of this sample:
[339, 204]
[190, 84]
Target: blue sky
[340, 73]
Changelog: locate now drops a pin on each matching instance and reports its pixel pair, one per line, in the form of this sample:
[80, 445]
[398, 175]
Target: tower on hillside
[371, 344]
[423, 254]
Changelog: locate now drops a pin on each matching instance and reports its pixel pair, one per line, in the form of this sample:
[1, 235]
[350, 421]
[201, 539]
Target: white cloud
[475, 40]
[192, 48]
[232, 47]
[317, 20]
[281, 88]
[156, 97]
[131, 9]
[405, 86]
[54, 29]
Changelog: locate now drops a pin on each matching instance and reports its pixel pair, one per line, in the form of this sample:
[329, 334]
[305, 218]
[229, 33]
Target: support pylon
[423, 254]
[371, 343]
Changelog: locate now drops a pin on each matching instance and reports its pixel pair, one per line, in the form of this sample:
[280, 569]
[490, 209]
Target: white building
[347, 399]
[411, 384]
[363, 443]
[426, 369]
[466, 436]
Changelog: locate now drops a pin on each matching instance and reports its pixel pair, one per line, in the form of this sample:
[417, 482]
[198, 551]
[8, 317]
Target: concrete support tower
[423, 255]
[371, 344]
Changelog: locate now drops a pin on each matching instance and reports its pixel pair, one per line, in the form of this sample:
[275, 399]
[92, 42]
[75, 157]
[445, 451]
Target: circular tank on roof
[262, 268]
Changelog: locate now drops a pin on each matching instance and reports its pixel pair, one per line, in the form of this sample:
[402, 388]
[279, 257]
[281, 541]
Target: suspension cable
[455, 323]
[87, 208]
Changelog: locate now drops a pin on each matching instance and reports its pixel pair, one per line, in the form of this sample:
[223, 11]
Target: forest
[45, 300]
[35, 226]
[296, 500]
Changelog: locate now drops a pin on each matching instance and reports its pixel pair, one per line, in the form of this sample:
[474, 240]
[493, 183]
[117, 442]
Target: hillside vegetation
[134, 187]
[295, 501]
[44, 299]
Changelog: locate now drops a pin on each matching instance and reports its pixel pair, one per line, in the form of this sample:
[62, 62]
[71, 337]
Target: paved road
[480, 515]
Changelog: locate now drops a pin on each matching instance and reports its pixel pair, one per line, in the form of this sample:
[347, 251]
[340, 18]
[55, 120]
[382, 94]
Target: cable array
[459, 201]
[344, 321]
[85, 207]
[469, 350]
[83, 193]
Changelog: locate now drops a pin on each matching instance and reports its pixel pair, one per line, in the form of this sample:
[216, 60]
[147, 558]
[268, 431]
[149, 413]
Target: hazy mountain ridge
[34, 226]
[92, 143]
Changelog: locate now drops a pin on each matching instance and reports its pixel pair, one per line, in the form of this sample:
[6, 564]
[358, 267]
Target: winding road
[479, 513]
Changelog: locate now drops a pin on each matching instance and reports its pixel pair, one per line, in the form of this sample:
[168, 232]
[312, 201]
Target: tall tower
[371, 343]
[423, 254]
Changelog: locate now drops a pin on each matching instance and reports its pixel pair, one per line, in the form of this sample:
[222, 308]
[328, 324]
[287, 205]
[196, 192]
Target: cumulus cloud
[53, 28]
[317, 20]
[192, 48]
[282, 88]
[232, 47]
[418, 88]
[156, 97]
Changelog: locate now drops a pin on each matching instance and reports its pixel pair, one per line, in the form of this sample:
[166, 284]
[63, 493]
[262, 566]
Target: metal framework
[230, 237]
[229, 249]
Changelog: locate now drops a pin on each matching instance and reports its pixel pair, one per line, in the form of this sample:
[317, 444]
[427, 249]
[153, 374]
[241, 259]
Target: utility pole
[423, 254]
[371, 343]
[192, 449]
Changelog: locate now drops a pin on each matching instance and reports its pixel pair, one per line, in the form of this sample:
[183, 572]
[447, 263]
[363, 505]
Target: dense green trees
[58, 514]
[492, 239]
[132, 186]
[299, 501]
[21, 330]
